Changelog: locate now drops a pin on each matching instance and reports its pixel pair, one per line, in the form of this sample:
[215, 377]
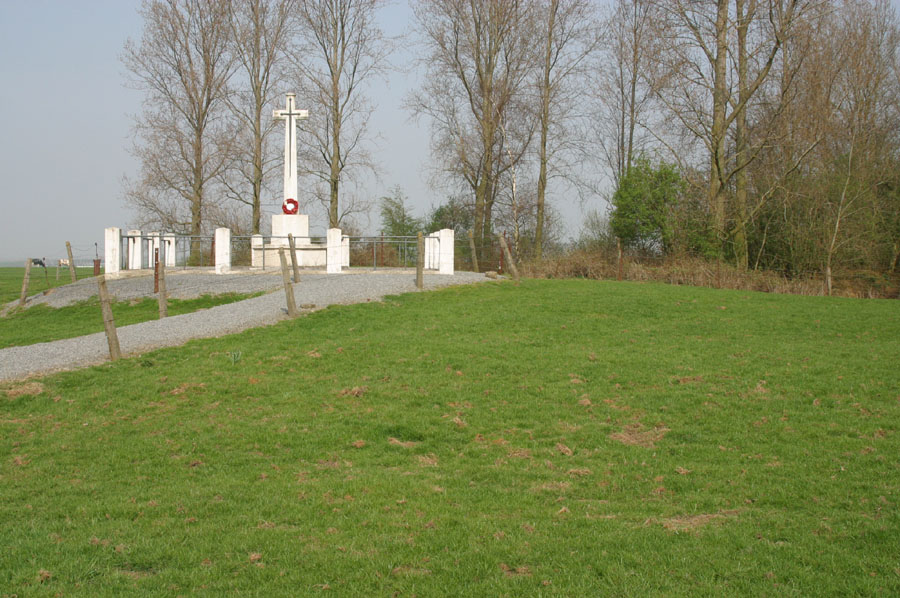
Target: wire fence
[489, 256]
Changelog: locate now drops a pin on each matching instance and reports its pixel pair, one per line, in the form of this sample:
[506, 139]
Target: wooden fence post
[618, 258]
[294, 257]
[109, 324]
[71, 261]
[25, 282]
[420, 261]
[156, 270]
[512, 264]
[288, 289]
[163, 299]
[474, 253]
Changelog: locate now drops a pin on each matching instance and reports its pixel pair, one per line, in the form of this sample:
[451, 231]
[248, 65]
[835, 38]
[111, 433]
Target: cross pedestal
[294, 224]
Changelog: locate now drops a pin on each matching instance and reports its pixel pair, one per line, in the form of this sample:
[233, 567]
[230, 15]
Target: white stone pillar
[223, 250]
[112, 249]
[432, 255]
[345, 251]
[333, 257]
[257, 255]
[168, 246]
[447, 251]
[135, 250]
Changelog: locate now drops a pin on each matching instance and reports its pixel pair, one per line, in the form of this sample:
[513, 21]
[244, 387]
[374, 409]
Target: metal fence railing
[187, 251]
[197, 251]
[383, 251]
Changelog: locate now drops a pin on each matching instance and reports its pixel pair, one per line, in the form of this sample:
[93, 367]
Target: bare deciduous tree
[698, 85]
[569, 34]
[259, 34]
[183, 66]
[340, 47]
[622, 88]
[479, 55]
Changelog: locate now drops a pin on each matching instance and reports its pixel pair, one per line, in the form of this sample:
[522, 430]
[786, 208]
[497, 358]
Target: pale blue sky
[65, 126]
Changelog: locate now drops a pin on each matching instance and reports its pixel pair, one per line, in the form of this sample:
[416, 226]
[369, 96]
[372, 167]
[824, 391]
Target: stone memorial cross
[290, 115]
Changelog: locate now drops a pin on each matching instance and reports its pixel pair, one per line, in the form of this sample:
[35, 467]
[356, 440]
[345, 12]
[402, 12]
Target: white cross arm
[298, 114]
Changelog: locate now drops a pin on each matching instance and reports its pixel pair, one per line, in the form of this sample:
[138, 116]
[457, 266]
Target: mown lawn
[562, 438]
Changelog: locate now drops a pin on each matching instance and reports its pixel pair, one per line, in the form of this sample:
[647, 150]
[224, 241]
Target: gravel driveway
[319, 289]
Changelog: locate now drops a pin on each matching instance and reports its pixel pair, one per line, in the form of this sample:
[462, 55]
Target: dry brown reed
[693, 271]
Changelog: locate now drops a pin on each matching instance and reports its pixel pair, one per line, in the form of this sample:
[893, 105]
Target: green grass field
[41, 323]
[562, 438]
[11, 280]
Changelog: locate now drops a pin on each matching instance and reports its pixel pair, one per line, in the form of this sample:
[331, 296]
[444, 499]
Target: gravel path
[319, 289]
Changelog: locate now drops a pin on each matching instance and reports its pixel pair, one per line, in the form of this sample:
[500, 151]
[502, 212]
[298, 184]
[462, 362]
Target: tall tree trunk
[545, 130]
[196, 200]
[336, 117]
[334, 181]
[636, 42]
[745, 15]
[716, 195]
[257, 171]
[484, 192]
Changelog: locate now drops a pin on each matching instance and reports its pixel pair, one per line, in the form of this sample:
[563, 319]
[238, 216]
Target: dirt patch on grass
[692, 523]
[404, 444]
[27, 389]
[552, 487]
[429, 460]
[637, 434]
[564, 449]
[520, 571]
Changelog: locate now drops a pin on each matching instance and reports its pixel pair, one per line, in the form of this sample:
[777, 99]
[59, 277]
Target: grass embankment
[11, 280]
[563, 438]
[41, 323]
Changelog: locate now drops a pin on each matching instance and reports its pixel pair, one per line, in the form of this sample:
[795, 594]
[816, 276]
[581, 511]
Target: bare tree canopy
[777, 121]
[339, 48]
[183, 65]
[479, 56]
[260, 32]
[623, 87]
[697, 80]
[569, 34]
